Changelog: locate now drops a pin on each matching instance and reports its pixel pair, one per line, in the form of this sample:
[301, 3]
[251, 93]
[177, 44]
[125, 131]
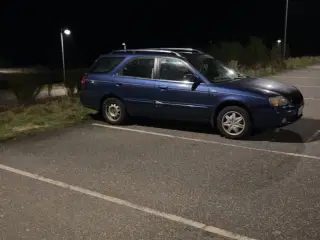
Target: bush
[26, 87]
[228, 51]
[73, 80]
[293, 63]
[27, 83]
[256, 59]
[256, 54]
[4, 85]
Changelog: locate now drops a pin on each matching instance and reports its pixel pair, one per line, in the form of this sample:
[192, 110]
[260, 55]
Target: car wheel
[114, 111]
[234, 122]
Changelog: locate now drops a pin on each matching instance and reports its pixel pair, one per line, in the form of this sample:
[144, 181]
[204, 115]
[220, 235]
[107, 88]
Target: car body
[187, 84]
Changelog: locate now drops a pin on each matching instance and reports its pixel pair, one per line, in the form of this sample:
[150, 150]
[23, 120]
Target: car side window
[139, 68]
[106, 64]
[173, 69]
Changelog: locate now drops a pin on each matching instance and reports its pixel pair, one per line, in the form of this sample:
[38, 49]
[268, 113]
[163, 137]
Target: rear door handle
[163, 87]
[118, 84]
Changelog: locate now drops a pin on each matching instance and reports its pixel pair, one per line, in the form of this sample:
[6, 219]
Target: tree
[228, 51]
[256, 53]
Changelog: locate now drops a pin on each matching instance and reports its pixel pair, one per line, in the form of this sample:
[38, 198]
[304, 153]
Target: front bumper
[289, 120]
[275, 117]
[289, 115]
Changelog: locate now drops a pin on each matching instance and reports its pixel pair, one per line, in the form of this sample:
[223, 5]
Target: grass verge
[49, 114]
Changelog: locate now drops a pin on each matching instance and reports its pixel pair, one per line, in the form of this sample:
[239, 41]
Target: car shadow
[303, 131]
[300, 132]
[277, 135]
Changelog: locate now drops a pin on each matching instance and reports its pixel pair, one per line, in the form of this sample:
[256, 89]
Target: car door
[176, 98]
[137, 86]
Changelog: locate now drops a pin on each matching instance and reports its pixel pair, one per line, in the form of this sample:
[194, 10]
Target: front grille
[297, 98]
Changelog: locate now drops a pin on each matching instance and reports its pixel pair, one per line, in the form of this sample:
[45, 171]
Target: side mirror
[192, 78]
[196, 83]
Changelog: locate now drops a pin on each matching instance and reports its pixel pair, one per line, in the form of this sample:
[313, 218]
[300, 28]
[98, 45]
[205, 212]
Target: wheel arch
[229, 103]
[109, 95]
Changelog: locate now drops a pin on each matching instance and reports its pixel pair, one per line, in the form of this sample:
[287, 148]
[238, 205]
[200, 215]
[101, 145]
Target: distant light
[278, 41]
[231, 71]
[67, 32]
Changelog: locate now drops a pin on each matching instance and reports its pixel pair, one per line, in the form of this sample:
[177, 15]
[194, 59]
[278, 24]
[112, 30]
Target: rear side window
[139, 68]
[106, 64]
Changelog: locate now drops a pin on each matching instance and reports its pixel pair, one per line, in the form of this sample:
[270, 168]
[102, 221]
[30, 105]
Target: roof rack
[181, 49]
[150, 50]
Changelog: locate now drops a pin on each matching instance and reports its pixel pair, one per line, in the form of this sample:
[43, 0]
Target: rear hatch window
[106, 64]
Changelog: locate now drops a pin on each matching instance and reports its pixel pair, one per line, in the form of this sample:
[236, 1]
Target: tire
[114, 111]
[237, 116]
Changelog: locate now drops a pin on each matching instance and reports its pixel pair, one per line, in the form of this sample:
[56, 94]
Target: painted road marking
[313, 99]
[168, 216]
[206, 141]
[313, 136]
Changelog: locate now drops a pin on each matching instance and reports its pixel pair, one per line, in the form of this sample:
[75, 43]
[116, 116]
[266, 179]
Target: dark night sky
[30, 29]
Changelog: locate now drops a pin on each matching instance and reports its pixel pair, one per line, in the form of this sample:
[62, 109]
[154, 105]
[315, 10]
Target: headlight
[278, 101]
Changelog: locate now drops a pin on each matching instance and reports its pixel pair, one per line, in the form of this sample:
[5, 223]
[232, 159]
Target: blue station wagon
[187, 84]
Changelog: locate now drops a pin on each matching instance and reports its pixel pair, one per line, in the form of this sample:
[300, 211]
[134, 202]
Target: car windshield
[212, 69]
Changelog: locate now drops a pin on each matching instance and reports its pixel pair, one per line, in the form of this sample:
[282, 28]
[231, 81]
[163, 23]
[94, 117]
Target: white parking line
[313, 99]
[313, 136]
[168, 216]
[206, 141]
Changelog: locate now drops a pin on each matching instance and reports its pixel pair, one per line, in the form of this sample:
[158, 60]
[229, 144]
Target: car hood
[265, 86]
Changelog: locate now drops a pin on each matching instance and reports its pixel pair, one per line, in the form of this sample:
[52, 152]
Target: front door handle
[163, 87]
[213, 92]
[118, 84]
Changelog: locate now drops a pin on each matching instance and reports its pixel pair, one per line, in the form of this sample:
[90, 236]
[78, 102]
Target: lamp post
[66, 32]
[124, 46]
[285, 30]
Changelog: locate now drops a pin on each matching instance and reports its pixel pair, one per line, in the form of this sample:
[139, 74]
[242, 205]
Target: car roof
[175, 52]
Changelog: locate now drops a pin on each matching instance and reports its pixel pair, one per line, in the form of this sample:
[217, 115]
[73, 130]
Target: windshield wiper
[240, 76]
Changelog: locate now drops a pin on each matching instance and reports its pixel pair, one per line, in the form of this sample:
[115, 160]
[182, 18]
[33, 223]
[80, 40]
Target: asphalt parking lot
[161, 180]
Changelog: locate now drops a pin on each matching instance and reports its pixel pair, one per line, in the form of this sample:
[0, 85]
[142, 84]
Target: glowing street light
[279, 42]
[124, 46]
[66, 32]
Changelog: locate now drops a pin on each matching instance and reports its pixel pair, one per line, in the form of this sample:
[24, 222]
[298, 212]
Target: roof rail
[181, 49]
[147, 50]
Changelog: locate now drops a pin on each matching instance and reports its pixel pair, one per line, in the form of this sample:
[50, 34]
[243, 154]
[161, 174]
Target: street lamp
[66, 32]
[285, 29]
[124, 46]
[279, 42]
